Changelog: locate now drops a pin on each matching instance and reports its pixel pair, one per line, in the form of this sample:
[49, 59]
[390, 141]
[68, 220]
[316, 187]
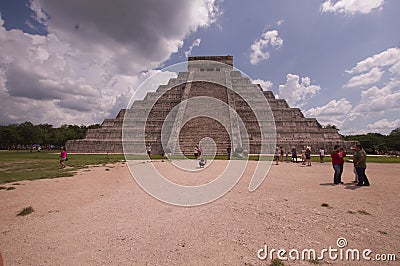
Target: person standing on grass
[148, 149]
[276, 155]
[321, 155]
[360, 163]
[63, 158]
[337, 162]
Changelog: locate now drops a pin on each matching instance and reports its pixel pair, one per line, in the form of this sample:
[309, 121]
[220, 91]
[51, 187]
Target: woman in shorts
[63, 158]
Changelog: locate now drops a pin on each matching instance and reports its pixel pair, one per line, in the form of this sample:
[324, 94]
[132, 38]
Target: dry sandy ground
[102, 217]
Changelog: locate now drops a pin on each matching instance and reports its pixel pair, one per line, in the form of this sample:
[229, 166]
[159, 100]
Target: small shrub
[314, 261]
[325, 205]
[10, 188]
[25, 211]
[276, 262]
[364, 212]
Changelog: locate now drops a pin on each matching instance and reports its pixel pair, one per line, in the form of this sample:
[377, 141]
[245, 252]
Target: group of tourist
[279, 155]
[337, 155]
[359, 162]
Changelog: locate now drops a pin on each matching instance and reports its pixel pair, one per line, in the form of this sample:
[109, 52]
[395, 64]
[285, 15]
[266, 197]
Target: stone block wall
[292, 128]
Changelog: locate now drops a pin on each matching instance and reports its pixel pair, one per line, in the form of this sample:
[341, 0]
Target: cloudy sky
[78, 62]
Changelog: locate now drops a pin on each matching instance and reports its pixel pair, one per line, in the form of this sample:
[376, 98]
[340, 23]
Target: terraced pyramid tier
[210, 100]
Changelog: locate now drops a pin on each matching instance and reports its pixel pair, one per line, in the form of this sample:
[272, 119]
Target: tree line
[26, 135]
[375, 143]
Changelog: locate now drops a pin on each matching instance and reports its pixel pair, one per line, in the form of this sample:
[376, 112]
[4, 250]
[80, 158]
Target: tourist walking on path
[308, 156]
[202, 161]
[228, 151]
[276, 155]
[321, 155]
[282, 153]
[360, 163]
[337, 162]
[303, 156]
[196, 152]
[63, 158]
[294, 155]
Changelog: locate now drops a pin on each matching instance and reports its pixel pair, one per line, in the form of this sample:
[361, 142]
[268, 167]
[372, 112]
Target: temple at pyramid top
[226, 59]
[206, 63]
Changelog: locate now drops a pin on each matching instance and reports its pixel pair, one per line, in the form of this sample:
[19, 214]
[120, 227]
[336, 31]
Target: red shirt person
[337, 161]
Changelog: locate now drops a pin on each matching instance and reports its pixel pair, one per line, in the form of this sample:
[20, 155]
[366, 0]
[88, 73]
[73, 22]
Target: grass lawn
[370, 159]
[25, 165]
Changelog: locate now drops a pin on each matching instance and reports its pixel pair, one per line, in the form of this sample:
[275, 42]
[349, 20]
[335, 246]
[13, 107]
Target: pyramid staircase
[171, 106]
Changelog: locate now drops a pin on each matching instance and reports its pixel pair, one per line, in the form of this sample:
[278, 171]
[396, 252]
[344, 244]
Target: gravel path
[102, 217]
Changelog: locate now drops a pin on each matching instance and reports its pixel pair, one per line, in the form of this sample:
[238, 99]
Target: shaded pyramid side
[224, 84]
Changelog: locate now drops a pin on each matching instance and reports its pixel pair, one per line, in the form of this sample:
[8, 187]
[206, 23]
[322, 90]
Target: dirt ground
[102, 217]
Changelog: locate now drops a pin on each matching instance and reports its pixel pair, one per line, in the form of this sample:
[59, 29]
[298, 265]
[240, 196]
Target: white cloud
[332, 113]
[368, 78]
[280, 22]
[384, 126]
[89, 60]
[395, 69]
[373, 68]
[377, 101]
[297, 91]
[259, 48]
[195, 43]
[382, 99]
[265, 84]
[388, 57]
[351, 7]
[38, 13]
[333, 108]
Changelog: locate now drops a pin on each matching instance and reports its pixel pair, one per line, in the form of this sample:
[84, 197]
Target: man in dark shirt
[360, 163]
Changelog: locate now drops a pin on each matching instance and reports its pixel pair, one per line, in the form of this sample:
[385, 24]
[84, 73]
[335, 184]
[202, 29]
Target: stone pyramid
[171, 119]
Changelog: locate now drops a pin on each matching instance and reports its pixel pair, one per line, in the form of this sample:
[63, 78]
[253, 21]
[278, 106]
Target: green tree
[9, 136]
[331, 126]
[29, 134]
[395, 132]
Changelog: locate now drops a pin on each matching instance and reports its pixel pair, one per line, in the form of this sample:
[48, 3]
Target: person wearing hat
[360, 163]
